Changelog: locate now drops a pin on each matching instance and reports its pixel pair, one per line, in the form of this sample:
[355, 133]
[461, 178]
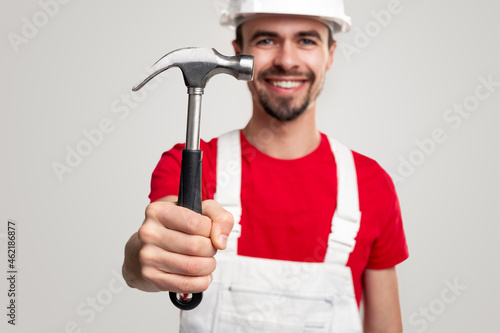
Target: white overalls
[251, 295]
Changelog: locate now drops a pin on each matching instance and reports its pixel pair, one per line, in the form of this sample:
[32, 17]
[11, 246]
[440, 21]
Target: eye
[266, 41]
[307, 41]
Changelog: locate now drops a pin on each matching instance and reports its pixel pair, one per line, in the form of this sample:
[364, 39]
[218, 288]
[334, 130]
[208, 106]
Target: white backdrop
[415, 85]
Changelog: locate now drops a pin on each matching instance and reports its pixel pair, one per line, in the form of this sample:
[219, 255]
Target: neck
[283, 139]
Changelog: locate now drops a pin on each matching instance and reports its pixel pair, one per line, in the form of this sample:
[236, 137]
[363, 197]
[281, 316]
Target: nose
[286, 57]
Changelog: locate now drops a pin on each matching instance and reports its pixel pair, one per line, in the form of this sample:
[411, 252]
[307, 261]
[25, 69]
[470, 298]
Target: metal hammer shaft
[193, 118]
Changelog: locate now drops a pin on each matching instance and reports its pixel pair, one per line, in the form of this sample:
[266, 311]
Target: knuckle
[146, 233]
[186, 285]
[148, 273]
[212, 264]
[159, 209]
[153, 276]
[197, 266]
[195, 246]
[225, 218]
[151, 209]
[145, 256]
[194, 223]
[210, 202]
[194, 284]
[192, 266]
[204, 284]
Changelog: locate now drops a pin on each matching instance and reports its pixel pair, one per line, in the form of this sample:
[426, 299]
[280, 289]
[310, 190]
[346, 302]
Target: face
[291, 59]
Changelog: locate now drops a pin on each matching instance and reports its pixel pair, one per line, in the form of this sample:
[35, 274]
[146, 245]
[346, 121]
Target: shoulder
[377, 192]
[368, 170]
[375, 185]
[371, 173]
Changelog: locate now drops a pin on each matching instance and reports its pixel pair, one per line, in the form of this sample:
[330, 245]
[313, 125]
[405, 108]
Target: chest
[287, 212]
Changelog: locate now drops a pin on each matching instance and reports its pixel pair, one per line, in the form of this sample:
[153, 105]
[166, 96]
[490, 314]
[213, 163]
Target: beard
[281, 108]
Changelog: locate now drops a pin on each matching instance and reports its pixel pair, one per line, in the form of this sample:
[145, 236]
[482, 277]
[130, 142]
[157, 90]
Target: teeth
[286, 84]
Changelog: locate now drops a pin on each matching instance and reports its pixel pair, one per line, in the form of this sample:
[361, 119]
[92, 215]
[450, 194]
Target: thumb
[222, 223]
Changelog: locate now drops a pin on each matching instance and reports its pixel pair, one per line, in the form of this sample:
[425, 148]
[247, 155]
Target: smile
[285, 84]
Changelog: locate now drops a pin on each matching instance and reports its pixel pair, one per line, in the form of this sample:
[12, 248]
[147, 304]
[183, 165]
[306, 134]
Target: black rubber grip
[190, 184]
[189, 197]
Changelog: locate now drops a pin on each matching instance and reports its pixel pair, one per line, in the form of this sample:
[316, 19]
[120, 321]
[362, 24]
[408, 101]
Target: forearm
[382, 313]
[131, 269]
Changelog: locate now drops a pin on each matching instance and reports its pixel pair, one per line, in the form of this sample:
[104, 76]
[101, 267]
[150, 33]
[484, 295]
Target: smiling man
[306, 229]
[283, 88]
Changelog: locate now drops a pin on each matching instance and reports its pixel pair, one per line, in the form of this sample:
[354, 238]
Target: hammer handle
[190, 183]
[189, 197]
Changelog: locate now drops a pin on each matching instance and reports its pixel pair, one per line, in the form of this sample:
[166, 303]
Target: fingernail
[223, 240]
[210, 278]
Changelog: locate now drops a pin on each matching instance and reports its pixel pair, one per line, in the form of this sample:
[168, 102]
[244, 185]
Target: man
[316, 227]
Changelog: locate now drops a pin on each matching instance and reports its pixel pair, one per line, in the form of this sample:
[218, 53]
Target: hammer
[198, 65]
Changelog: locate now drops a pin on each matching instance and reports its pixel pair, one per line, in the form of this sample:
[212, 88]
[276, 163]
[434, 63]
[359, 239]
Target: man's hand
[174, 248]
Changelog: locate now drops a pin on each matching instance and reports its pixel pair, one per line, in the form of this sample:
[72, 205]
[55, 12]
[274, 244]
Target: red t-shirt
[287, 205]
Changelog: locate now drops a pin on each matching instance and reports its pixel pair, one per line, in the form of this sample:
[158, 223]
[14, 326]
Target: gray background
[393, 84]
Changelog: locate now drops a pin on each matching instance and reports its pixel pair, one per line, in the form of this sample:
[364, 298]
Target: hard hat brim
[331, 12]
[335, 25]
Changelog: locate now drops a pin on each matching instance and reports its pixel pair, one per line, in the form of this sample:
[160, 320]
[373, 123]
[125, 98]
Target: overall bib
[254, 295]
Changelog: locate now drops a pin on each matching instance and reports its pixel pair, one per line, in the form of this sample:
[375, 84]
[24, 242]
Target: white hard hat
[331, 12]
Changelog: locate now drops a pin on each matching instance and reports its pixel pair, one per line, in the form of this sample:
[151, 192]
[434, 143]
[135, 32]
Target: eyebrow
[310, 33]
[264, 33]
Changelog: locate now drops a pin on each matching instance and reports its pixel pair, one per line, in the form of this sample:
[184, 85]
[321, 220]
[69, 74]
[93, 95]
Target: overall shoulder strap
[228, 190]
[347, 217]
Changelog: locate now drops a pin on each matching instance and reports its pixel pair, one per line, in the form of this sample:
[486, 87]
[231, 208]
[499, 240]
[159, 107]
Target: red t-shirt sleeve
[389, 247]
[165, 178]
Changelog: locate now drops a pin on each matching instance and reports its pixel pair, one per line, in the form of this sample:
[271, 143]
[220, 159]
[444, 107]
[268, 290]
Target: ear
[330, 54]
[236, 47]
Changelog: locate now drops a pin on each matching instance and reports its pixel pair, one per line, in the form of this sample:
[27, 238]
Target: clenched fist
[174, 248]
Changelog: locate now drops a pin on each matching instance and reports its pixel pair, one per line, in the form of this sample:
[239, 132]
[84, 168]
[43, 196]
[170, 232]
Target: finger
[176, 241]
[176, 283]
[222, 223]
[179, 218]
[175, 263]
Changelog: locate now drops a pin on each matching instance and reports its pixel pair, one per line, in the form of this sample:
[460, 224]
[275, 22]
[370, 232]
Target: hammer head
[198, 65]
